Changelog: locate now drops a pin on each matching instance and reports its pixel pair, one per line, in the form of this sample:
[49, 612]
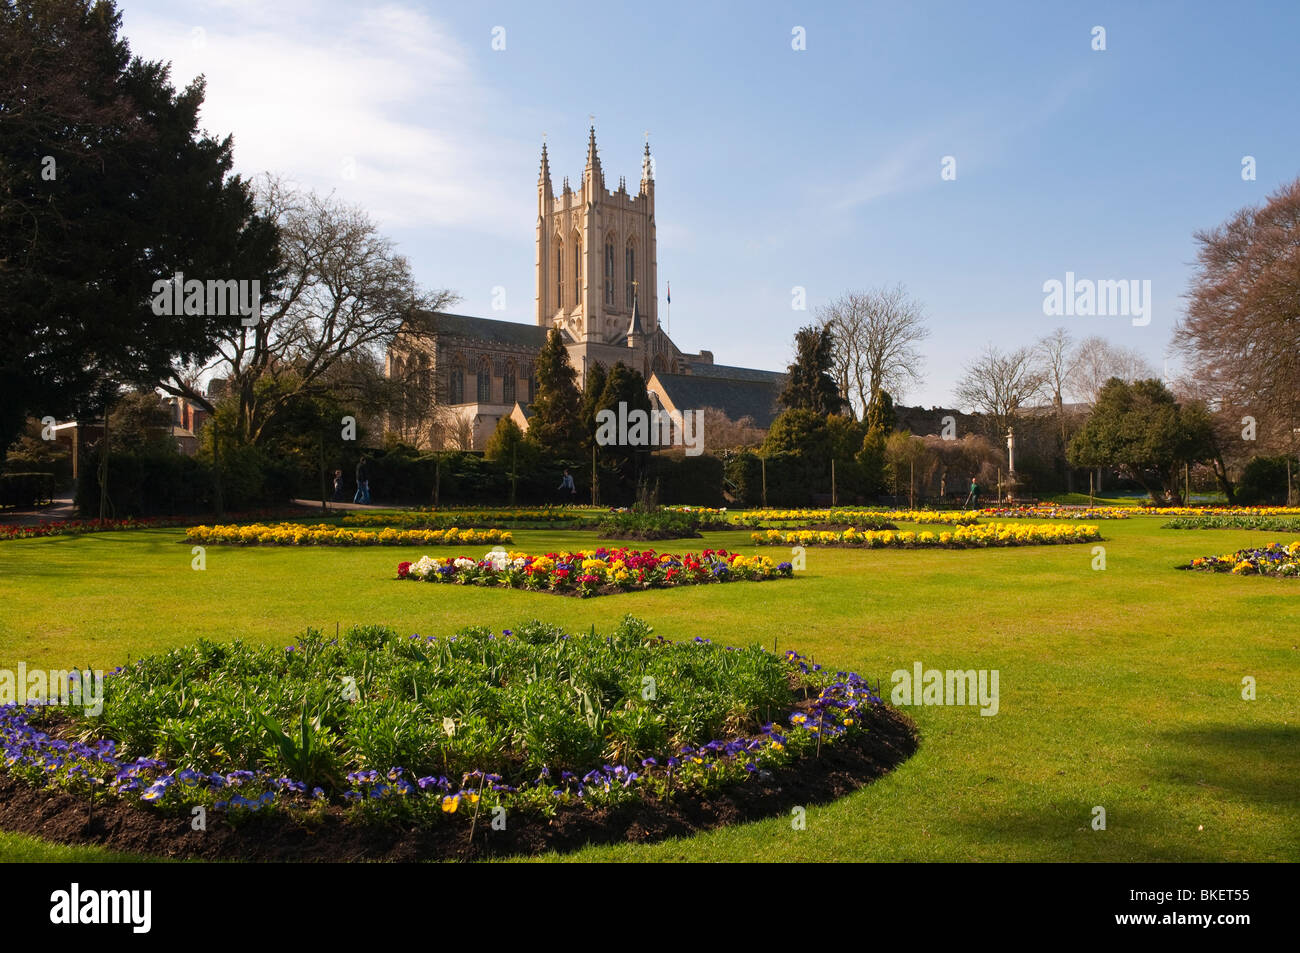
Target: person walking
[363, 481]
[338, 486]
[566, 483]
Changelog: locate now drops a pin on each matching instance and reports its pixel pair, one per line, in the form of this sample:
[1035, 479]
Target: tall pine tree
[810, 385]
[556, 424]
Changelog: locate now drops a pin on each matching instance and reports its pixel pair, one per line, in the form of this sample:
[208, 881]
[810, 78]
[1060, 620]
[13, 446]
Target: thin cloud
[380, 104]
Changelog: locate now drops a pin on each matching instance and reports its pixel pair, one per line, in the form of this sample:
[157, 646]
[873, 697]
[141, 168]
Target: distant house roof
[505, 333]
[706, 369]
[736, 398]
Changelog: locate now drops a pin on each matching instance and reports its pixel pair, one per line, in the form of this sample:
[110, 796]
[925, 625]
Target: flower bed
[372, 726]
[595, 572]
[962, 537]
[859, 518]
[659, 524]
[1275, 559]
[478, 518]
[80, 527]
[1050, 512]
[1282, 524]
[1219, 511]
[302, 534]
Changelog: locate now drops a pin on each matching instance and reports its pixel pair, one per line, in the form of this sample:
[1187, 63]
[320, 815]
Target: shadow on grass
[1256, 764]
[1061, 831]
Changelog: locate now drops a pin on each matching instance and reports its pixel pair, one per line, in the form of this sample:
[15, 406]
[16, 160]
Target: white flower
[464, 562]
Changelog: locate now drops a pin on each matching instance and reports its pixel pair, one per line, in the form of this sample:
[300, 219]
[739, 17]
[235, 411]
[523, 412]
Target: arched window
[508, 384]
[532, 385]
[559, 273]
[609, 272]
[484, 395]
[577, 270]
[457, 382]
[629, 273]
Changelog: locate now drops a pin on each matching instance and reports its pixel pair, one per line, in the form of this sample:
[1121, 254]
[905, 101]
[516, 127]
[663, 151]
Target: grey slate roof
[703, 369]
[505, 333]
[736, 398]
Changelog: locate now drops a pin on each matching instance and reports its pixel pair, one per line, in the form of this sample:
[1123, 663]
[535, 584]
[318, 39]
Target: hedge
[26, 489]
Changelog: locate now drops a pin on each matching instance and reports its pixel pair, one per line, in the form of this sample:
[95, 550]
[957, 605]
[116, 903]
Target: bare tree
[959, 461]
[343, 292]
[907, 460]
[453, 429]
[1057, 361]
[1097, 361]
[998, 384]
[1240, 334]
[877, 334]
[727, 434]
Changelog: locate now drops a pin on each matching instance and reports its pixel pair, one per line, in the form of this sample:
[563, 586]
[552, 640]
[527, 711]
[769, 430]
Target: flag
[670, 292]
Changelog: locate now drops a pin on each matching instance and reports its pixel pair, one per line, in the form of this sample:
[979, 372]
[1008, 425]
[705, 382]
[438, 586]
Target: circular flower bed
[449, 734]
[301, 534]
[1275, 559]
[962, 537]
[595, 572]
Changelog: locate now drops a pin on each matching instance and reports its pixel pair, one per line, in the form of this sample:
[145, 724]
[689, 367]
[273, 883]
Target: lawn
[1119, 688]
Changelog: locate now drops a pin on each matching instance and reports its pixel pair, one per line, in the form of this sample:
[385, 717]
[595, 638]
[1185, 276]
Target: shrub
[691, 481]
[26, 489]
[1263, 482]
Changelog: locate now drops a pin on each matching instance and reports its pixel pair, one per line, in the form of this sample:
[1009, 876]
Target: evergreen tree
[107, 185]
[880, 412]
[1142, 430]
[556, 424]
[592, 391]
[624, 386]
[811, 385]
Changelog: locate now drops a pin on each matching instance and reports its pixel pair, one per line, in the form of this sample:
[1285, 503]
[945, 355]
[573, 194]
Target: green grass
[1119, 689]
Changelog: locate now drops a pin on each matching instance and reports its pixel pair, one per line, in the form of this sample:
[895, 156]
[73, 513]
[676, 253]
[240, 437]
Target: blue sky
[776, 168]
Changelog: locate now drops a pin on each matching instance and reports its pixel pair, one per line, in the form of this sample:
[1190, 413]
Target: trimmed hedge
[26, 489]
[795, 480]
[166, 484]
[687, 481]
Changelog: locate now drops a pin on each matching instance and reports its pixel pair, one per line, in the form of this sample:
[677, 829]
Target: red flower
[403, 570]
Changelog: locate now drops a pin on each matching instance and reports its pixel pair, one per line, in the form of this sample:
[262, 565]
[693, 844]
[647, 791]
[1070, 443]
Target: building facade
[597, 283]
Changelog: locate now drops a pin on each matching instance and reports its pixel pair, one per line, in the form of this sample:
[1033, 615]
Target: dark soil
[841, 768]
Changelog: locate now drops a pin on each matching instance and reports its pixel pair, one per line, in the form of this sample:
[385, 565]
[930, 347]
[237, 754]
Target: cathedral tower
[596, 256]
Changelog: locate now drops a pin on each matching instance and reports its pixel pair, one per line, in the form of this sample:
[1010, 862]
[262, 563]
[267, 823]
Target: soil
[841, 527]
[116, 825]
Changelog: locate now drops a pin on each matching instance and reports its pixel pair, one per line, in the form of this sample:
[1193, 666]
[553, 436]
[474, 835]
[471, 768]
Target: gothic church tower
[596, 266]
